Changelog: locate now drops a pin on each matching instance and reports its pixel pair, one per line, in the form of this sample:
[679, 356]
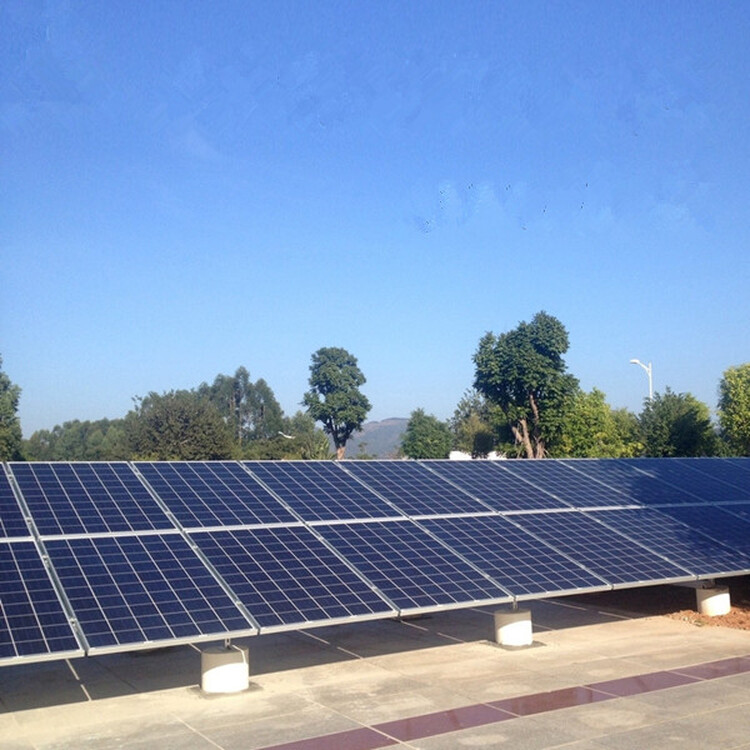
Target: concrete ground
[436, 682]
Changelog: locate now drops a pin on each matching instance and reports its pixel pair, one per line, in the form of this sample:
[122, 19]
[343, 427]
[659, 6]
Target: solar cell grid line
[688, 547]
[716, 522]
[12, 522]
[680, 474]
[723, 473]
[575, 489]
[414, 489]
[499, 490]
[212, 493]
[740, 462]
[622, 474]
[135, 591]
[740, 509]
[409, 566]
[288, 578]
[87, 498]
[33, 623]
[522, 564]
[609, 555]
[320, 490]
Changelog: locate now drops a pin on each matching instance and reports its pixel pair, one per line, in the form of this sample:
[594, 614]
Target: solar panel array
[100, 557]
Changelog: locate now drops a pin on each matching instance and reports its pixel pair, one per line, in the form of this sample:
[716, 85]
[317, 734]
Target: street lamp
[647, 368]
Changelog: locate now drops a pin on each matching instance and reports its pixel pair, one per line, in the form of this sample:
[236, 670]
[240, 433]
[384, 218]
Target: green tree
[250, 409]
[524, 374]
[472, 425]
[592, 429]
[734, 408]
[426, 437]
[10, 425]
[334, 397]
[677, 424]
[76, 440]
[178, 425]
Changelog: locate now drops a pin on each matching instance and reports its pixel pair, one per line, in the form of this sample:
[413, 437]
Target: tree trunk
[340, 451]
[522, 436]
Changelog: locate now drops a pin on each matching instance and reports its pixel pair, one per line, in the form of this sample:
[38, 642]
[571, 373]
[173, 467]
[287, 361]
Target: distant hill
[377, 439]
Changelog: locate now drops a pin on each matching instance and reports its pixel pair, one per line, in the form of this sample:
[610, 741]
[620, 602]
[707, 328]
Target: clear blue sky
[187, 187]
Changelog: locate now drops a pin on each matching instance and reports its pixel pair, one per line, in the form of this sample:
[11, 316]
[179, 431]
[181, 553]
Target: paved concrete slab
[436, 673]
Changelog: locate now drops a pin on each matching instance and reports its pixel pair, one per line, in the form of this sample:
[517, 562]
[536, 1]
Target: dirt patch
[677, 603]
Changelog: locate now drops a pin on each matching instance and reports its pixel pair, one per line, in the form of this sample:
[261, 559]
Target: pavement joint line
[647, 682]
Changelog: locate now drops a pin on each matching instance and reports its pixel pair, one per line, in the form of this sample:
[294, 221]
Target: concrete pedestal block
[513, 627]
[714, 601]
[225, 669]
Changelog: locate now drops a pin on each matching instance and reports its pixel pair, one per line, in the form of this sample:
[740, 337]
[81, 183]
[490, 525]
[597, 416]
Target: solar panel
[33, 624]
[722, 473]
[288, 577]
[12, 523]
[640, 487]
[680, 474]
[414, 489]
[134, 591]
[409, 566]
[575, 489]
[78, 498]
[717, 523]
[320, 490]
[742, 510]
[519, 562]
[606, 553]
[500, 490]
[212, 493]
[687, 546]
[742, 463]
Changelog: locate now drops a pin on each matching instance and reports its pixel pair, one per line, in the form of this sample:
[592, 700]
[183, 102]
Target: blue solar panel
[730, 482]
[77, 498]
[33, 624]
[719, 524]
[320, 491]
[602, 550]
[12, 523]
[571, 487]
[622, 474]
[213, 493]
[409, 566]
[288, 577]
[414, 489]
[131, 591]
[680, 474]
[741, 509]
[519, 562]
[500, 490]
[688, 547]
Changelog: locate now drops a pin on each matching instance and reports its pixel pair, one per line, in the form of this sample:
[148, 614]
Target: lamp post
[647, 368]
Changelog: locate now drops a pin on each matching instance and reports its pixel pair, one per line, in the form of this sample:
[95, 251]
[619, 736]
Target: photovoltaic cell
[640, 487]
[212, 493]
[688, 547]
[320, 491]
[603, 551]
[741, 509]
[414, 489]
[519, 562]
[129, 591]
[719, 524]
[12, 523]
[410, 567]
[87, 498]
[573, 488]
[33, 624]
[288, 577]
[730, 482]
[680, 474]
[500, 490]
